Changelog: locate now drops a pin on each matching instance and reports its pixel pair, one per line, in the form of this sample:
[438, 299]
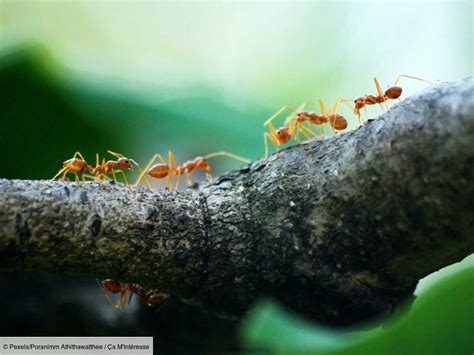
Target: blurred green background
[196, 77]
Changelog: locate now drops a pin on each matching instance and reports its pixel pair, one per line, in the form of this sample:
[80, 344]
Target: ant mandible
[393, 92]
[167, 170]
[127, 290]
[75, 166]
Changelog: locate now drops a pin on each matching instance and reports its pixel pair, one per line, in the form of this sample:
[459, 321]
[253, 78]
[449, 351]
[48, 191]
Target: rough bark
[340, 229]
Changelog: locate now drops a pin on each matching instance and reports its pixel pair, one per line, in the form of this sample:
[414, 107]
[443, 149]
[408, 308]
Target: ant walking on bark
[170, 169]
[392, 93]
[293, 126]
[76, 165]
[102, 170]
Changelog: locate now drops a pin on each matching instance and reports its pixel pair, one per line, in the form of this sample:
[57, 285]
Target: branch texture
[339, 229]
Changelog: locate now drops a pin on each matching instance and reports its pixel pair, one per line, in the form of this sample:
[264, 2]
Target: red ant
[293, 128]
[75, 166]
[101, 171]
[163, 169]
[126, 291]
[392, 93]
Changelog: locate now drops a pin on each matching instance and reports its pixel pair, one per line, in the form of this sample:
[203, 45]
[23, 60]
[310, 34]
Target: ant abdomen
[75, 165]
[159, 171]
[338, 122]
[393, 92]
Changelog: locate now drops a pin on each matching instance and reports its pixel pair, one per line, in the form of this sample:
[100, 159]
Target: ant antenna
[227, 154]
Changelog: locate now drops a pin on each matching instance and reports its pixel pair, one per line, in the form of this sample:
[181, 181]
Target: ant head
[112, 286]
[203, 164]
[124, 163]
[157, 298]
[283, 134]
[393, 92]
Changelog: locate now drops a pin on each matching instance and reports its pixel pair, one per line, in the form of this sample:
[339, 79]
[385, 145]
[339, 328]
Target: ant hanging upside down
[150, 297]
[170, 169]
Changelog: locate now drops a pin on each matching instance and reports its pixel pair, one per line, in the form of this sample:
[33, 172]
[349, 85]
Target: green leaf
[440, 321]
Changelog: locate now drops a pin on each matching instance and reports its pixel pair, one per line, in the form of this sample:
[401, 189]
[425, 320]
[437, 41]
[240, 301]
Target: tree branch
[340, 229]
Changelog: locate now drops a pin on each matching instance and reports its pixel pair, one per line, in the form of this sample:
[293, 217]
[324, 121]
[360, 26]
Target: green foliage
[48, 115]
[440, 321]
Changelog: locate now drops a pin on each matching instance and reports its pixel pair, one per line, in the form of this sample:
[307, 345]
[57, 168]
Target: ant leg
[113, 174]
[331, 123]
[323, 108]
[325, 114]
[411, 77]
[275, 115]
[227, 154]
[147, 167]
[86, 177]
[308, 135]
[381, 94]
[189, 180]
[168, 182]
[345, 101]
[123, 298]
[61, 171]
[309, 132]
[124, 178]
[117, 155]
[147, 181]
[172, 169]
[178, 177]
[302, 130]
[78, 154]
[130, 298]
[266, 137]
[365, 111]
[289, 119]
[106, 295]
